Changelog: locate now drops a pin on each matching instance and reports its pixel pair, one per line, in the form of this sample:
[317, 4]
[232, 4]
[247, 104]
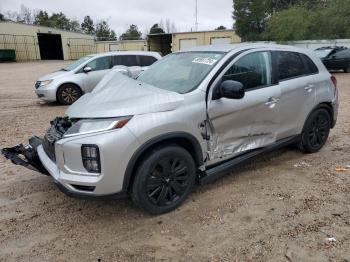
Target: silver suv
[68, 84]
[188, 119]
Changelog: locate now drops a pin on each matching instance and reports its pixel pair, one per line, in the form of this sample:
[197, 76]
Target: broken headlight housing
[90, 126]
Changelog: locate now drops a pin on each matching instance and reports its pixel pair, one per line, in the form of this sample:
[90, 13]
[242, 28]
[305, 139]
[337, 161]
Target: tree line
[288, 20]
[100, 29]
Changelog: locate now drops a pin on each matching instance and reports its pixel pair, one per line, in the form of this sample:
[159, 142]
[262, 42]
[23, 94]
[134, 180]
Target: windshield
[323, 53]
[181, 72]
[76, 63]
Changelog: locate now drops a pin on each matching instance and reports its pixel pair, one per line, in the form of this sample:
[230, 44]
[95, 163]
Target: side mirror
[87, 69]
[231, 90]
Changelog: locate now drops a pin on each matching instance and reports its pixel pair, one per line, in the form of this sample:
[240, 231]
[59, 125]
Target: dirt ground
[286, 206]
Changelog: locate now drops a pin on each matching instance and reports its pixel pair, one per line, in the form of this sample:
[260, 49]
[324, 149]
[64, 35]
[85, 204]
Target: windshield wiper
[63, 69]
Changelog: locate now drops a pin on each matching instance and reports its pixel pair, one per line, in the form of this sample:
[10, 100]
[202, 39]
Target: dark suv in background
[335, 58]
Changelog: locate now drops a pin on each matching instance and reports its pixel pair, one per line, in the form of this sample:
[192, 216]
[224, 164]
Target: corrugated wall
[26, 46]
[23, 38]
[203, 38]
[132, 45]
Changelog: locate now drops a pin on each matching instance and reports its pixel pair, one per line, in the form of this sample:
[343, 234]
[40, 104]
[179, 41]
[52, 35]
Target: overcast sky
[144, 13]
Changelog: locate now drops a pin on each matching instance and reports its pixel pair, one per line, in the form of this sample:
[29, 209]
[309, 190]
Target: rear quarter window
[126, 60]
[291, 65]
[311, 67]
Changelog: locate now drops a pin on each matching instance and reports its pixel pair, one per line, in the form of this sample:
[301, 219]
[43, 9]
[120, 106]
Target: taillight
[334, 81]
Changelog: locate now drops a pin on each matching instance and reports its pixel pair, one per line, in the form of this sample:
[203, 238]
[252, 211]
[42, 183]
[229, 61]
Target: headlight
[89, 126]
[46, 82]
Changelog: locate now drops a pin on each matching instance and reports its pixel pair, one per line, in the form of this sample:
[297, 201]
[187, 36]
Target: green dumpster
[7, 55]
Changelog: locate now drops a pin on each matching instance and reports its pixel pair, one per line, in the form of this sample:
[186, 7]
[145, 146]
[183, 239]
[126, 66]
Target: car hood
[54, 75]
[118, 95]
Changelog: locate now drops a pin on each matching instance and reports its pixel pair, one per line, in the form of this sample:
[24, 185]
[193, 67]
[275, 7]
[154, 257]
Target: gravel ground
[285, 206]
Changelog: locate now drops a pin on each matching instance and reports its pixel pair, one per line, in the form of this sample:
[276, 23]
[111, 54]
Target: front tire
[316, 131]
[164, 179]
[67, 94]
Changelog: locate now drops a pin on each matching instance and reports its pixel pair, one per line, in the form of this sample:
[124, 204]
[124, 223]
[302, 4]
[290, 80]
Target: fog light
[91, 158]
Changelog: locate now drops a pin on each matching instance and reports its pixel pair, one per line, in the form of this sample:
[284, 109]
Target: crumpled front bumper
[26, 155]
[33, 155]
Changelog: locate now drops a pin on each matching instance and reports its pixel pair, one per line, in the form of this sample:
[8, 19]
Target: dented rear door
[238, 126]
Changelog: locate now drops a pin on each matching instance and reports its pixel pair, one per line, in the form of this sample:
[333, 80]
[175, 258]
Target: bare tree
[167, 25]
[13, 16]
[26, 15]
[161, 24]
[173, 27]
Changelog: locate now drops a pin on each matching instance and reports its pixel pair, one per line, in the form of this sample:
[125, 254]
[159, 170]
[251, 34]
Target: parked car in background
[335, 58]
[188, 119]
[81, 76]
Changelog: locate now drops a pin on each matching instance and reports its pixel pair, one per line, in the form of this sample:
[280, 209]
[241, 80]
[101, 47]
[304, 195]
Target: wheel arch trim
[326, 105]
[197, 152]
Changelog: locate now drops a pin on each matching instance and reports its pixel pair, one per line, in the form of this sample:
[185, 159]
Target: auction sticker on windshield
[204, 60]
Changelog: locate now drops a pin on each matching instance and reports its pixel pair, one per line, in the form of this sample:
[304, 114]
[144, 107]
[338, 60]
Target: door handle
[272, 101]
[309, 88]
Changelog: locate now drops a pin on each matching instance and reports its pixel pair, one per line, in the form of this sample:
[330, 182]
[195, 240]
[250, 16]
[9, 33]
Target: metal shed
[33, 42]
[124, 45]
[167, 43]
[190, 39]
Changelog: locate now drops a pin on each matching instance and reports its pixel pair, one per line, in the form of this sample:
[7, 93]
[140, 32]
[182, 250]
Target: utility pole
[196, 15]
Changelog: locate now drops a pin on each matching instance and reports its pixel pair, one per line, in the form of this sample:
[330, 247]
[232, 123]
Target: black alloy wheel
[168, 181]
[316, 131]
[164, 178]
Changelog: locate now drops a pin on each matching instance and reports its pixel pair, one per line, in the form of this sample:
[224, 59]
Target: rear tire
[164, 179]
[347, 70]
[67, 94]
[316, 131]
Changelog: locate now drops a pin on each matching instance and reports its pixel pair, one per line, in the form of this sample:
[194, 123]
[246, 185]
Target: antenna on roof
[196, 15]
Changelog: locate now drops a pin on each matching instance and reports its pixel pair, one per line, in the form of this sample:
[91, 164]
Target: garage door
[187, 43]
[221, 40]
[50, 46]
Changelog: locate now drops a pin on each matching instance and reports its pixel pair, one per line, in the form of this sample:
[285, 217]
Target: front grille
[55, 133]
[37, 84]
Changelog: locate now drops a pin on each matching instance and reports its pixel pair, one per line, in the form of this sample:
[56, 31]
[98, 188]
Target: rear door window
[126, 60]
[253, 70]
[101, 63]
[291, 65]
[147, 60]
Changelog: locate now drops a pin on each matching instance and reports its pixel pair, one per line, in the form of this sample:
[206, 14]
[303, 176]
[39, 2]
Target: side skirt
[213, 173]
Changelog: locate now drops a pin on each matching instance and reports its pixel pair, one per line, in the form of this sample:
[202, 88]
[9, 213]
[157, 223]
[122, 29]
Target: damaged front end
[27, 156]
